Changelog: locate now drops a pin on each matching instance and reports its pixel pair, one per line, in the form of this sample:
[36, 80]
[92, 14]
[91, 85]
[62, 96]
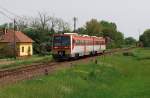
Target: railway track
[9, 76]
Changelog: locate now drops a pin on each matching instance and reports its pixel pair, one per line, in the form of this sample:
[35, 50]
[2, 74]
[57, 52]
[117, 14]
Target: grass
[25, 61]
[114, 76]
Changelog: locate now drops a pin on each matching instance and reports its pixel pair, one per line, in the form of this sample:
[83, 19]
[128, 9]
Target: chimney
[5, 31]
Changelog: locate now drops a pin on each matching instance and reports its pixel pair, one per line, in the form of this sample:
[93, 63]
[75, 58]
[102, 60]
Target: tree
[4, 26]
[21, 23]
[62, 26]
[93, 27]
[41, 29]
[145, 38]
[108, 25]
[109, 29]
[130, 41]
[81, 30]
[105, 29]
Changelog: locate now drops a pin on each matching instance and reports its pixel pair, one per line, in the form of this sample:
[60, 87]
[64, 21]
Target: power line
[12, 19]
[6, 15]
[13, 31]
[6, 10]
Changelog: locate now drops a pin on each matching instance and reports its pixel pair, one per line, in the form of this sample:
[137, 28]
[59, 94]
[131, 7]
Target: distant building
[23, 43]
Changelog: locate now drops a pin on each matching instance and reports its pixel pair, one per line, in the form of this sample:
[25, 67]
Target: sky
[131, 16]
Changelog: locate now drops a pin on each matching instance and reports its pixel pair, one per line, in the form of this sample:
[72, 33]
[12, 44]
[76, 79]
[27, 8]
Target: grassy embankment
[13, 63]
[114, 76]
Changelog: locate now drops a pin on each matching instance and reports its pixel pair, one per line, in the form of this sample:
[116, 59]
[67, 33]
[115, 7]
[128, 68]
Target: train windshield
[61, 41]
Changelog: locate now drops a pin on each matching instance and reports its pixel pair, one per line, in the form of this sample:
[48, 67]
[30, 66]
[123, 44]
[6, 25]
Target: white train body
[71, 45]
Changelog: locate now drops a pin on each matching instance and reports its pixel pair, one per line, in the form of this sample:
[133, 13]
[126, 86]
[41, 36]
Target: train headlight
[55, 47]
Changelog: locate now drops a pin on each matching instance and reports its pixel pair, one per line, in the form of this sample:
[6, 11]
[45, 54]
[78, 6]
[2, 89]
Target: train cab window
[57, 41]
[65, 40]
[61, 41]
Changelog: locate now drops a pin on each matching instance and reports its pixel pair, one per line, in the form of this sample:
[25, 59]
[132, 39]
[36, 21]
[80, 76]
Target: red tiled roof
[20, 37]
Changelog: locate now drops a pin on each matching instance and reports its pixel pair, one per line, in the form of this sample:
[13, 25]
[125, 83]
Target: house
[23, 43]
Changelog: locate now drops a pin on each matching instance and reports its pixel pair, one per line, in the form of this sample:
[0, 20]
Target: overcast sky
[131, 16]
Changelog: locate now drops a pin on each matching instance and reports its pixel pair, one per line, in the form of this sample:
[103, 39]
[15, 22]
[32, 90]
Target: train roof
[80, 35]
[71, 33]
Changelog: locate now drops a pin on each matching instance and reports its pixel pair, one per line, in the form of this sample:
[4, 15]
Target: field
[115, 76]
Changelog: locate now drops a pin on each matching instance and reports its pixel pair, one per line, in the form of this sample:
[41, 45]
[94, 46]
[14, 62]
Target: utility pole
[14, 31]
[139, 43]
[139, 34]
[75, 20]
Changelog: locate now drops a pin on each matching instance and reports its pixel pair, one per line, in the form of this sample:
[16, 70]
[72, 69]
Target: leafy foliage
[42, 40]
[7, 51]
[41, 28]
[105, 29]
[130, 41]
[145, 38]
[93, 27]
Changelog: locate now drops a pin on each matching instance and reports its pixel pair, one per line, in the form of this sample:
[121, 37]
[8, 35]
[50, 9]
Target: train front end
[61, 48]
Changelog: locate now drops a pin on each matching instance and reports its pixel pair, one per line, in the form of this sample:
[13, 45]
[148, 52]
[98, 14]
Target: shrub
[128, 54]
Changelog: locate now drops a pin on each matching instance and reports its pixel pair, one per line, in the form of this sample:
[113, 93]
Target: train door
[84, 43]
[93, 45]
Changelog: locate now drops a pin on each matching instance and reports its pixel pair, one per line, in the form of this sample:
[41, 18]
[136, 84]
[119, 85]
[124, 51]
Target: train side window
[80, 42]
[77, 42]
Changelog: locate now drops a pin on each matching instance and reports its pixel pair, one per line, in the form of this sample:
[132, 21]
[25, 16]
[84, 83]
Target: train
[74, 45]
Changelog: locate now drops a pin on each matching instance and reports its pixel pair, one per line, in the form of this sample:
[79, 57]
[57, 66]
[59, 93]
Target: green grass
[114, 76]
[25, 61]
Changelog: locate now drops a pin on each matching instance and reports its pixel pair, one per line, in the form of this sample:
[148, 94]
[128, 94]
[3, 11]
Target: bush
[128, 54]
[7, 51]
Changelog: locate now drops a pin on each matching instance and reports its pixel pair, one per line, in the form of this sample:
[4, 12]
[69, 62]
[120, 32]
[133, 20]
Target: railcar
[73, 45]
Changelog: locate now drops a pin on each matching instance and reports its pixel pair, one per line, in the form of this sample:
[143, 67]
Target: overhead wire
[2, 13]
[11, 13]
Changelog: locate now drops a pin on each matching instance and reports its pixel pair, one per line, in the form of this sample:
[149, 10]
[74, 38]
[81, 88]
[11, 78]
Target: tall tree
[93, 27]
[130, 41]
[145, 38]
[21, 23]
[109, 29]
[108, 25]
[81, 30]
[41, 29]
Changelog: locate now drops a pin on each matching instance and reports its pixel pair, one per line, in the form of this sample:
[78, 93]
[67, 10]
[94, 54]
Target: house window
[22, 49]
[29, 49]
